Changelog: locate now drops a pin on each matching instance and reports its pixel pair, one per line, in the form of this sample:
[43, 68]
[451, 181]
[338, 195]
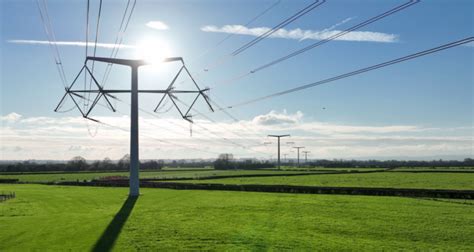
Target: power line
[225, 138]
[95, 42]
[204, 128]
[86, 51]
[337, 35]
[321, 42]
[233, 34]
[227, 113]
[159, 140]
[48, 29]
[142, 110]
[356, 72]
[284, 23]
[119, 38]
[269, 32]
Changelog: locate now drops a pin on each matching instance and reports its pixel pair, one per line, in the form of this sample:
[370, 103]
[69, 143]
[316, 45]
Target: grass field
[82, 218]
[293, 168]
[53, 177]
[460, 181]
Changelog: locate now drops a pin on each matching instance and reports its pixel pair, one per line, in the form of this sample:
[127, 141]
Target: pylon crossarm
[60, 102]
[206, 98]
[184, 91]
[111, 96]
[93, 78]
[77, 76]
[75, 102]
[159, 103]
[96, 100]
[190, 76]
[78, 95]
[175, 77]
[188, 118]
[191, 106]
[92, 119]
[108, 102]
[172, 97]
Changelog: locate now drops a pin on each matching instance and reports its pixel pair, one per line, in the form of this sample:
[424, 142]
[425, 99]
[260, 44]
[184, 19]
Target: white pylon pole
[134, 91]
[134, 181]
[134, 153]
[278, 136]
[298, 148]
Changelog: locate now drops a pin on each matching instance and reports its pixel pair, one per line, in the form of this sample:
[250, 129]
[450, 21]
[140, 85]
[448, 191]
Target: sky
[418, 109]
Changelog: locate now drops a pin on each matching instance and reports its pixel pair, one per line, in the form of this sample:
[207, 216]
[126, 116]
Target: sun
[153, 51]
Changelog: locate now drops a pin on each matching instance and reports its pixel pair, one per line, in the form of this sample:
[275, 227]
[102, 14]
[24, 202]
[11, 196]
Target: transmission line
[204, 128]
[269, 32]
[119, 38]
[356, 72]
[233, 34]
[113, 126]
[284, 23]
[48, 29]
[321, 42]
[159, 140]
[337, 35]
[209, 119]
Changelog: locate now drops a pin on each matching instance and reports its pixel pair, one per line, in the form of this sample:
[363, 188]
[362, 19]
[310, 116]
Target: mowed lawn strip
[55, 177]
[459, 181]
[74, 218]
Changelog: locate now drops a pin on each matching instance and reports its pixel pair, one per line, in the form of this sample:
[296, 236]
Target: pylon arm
[129, 62]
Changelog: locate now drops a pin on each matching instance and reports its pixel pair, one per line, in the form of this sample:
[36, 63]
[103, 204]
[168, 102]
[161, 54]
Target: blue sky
[417, 109]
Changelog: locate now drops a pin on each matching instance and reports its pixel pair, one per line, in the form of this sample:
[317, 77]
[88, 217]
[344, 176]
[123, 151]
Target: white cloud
[65, 137]
[300, 34]
[157, 25]
[12, 117]
[275, 118]
[70, 43]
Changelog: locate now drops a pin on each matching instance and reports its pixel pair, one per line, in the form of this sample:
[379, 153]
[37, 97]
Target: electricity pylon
[298, 148]
[278, 136]
[306, 156]
[106, 93]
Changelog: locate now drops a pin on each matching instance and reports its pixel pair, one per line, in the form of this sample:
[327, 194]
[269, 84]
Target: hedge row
[429, 193]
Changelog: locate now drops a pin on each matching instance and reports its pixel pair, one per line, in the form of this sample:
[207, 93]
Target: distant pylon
[298, 148]
[279, 136]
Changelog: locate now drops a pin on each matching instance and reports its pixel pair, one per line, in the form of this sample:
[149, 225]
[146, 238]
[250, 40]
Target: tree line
[226, 161]
[78, 164]
[223, 162]
[339, 163]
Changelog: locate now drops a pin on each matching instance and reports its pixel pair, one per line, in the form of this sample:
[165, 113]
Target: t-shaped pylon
[106, 93]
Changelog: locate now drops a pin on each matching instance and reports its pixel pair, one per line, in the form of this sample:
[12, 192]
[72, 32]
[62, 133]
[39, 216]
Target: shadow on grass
[110, 235]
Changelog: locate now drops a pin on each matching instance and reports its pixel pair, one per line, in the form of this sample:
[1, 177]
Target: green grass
[381, 179]
[428, 169]
[74, 218]
[293, 168]
[54, 177]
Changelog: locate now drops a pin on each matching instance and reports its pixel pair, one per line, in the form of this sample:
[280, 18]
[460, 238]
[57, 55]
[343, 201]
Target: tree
[150, 165]
[77, 163]
[124, 162]
[223, 162]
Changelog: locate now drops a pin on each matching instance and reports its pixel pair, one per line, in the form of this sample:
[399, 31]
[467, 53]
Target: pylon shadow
[111, 233]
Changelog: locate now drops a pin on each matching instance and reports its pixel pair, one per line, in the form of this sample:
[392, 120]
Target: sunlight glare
[153, 51]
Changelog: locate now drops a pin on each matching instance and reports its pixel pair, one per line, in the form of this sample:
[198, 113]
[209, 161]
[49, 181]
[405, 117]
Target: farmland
[187, 173]
[426, 180]
[48, 216]
[103, 218]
